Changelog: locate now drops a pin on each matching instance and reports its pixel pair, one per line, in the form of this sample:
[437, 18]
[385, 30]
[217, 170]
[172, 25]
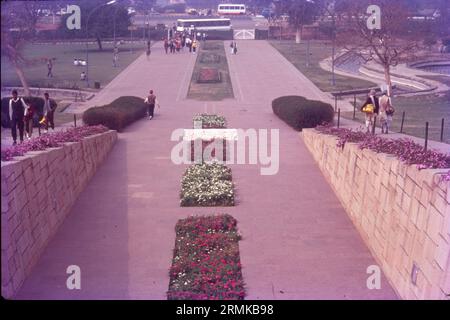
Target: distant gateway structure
[229, 8]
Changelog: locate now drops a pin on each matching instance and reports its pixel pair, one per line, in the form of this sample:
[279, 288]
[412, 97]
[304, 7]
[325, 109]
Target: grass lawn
[418, 110]
[66, 75]
[211, 54]
[319, 50]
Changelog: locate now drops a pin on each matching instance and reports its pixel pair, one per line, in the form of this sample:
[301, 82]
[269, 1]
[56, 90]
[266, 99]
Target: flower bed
[405, 150]
[207, 185]
[208, 75]
[208, 57]
[206, 263]
[211, 121]
[51, 140]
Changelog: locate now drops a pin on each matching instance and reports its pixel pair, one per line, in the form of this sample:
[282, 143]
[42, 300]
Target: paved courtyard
[297, 240]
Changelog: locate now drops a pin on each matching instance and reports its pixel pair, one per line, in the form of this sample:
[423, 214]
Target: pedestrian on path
[115, 56]
[232, 47]
[386, 112]
[166, 45]
[370, 108]
[28, 119]
[49, 111]
[194, 46]
[16, 114]
[235, 48]
[151, 101]
[189, 44]
[50, 68]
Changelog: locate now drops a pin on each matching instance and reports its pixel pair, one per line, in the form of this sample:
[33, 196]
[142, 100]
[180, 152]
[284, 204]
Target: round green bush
[299, 112]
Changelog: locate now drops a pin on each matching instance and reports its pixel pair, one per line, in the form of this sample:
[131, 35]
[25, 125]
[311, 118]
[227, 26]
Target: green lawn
[211, 54]
[66, 75]
[418, 110]
[319, 50]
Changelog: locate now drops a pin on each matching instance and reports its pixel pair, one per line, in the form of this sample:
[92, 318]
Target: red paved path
[297, 240]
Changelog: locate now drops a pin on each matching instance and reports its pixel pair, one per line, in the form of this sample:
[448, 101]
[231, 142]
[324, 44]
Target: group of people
[21, 115]
[380, 107]
[178, 44]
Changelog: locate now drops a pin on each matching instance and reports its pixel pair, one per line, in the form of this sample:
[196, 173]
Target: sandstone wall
[38, 191]
[402, 213]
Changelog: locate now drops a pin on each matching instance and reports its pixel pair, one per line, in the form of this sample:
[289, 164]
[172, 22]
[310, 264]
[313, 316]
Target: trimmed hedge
[118, 114]
[37, 102]
[299, 112]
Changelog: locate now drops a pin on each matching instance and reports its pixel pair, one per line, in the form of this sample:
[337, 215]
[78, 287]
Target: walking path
[297, 240]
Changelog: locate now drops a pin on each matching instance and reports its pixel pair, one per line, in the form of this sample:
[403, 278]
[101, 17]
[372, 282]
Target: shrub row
[405, 150]
[299, 112]
[211, 121]
[118, 114]
[51, 140]
[207, 185]
[206, 263]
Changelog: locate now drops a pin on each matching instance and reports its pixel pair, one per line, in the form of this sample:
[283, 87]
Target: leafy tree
[102, 18]
[301, 12]
[18, 19]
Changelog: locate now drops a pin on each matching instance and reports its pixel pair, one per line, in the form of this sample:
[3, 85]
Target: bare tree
[393, 43]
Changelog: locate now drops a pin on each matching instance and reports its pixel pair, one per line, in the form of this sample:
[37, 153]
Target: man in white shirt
[16, 114]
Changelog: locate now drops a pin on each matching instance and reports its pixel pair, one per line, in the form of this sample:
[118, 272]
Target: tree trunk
[298, 35]
[99, 42]
[23, 80]
[387, 78]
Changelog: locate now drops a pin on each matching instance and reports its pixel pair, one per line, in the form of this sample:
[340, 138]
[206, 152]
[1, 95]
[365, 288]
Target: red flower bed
[51, 140]
[208, 75]
[405, 150]
[206, 263]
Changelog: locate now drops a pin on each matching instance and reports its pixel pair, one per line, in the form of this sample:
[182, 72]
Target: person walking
[151, 101]
[49, 68]
[194, 46]
[386, 112]
[232, 47]
[235, 48]
[16, 114]
[49, 111]
[115, 56]
[370, 108]
[166, 45]
[189, 44]
[28, 119]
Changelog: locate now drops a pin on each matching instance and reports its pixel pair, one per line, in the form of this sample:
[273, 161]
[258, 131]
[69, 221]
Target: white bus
[222, 24]
[229, 8]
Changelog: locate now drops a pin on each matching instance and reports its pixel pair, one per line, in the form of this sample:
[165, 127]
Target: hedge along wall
[402, 214]
[35, 200]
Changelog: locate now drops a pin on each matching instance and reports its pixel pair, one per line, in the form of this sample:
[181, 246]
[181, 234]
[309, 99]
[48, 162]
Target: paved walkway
[297, 240]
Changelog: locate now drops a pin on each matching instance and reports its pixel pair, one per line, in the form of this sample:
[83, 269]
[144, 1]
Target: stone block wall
[402, 213]
[37, 192]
